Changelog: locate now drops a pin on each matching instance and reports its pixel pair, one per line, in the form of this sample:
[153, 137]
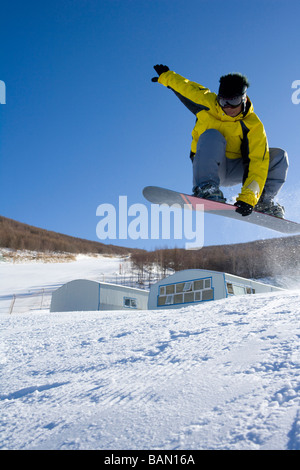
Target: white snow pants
[211, 165]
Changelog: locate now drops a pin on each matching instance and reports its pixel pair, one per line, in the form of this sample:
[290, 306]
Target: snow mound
[217, 375]
[222, 375]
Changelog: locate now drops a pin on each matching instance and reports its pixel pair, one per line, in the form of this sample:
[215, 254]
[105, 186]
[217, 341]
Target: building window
[198, 296]
[161, 300]
[229, 288]
[189, 297]
[170, 289]
[183, 287]
[178, 298]
[130, 302]
[238, 289]
[162, 290]
[250, 290]
[187, 286]
[186, 292]
[169, 299]
[208, 294]
[199, 285]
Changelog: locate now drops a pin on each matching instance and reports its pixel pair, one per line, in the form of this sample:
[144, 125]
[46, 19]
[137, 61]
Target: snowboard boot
[209, 191]
[270, 208]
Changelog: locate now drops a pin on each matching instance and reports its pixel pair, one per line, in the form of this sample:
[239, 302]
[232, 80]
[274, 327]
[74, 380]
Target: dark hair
[233, 84]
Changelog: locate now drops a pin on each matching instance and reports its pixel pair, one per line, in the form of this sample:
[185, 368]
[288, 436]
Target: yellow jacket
[245, 134]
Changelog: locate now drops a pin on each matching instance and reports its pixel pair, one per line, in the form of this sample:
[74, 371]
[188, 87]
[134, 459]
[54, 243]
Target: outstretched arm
[194, 96]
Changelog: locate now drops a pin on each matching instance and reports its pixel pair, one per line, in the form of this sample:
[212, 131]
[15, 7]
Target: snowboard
[158, 195]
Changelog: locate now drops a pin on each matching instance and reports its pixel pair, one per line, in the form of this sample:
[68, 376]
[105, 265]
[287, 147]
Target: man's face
[232, 112]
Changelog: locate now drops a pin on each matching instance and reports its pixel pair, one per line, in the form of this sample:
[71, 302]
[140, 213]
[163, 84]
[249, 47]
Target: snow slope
[218, 375]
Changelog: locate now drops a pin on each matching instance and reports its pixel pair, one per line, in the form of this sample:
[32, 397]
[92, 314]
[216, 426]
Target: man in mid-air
[229, 143]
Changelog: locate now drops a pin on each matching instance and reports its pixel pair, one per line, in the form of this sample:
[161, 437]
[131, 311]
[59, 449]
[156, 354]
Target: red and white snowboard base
[158, 195]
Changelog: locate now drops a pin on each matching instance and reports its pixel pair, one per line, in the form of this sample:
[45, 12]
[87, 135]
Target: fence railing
[25, 301]
[40, 298]
[138, 281]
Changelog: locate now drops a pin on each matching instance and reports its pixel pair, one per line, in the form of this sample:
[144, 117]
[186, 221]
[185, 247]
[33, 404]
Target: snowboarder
[229, 143]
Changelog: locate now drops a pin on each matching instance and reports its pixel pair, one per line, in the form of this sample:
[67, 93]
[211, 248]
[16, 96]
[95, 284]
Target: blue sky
[83, 124]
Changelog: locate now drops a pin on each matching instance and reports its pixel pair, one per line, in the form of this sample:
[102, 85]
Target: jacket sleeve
[256, 165]
[191, 94]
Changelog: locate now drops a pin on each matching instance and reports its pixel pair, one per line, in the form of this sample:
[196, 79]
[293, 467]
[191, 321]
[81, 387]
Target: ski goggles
[231, 102]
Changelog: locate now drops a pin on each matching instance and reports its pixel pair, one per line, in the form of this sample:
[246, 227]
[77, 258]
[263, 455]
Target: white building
[85, 295]
[199, 285]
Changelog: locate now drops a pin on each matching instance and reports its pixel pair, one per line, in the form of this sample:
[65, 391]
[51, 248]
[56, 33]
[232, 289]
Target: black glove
[243, 208]
[159, 69]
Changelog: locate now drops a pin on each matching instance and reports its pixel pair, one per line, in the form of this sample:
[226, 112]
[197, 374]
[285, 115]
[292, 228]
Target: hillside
[257, 259]
[19, 236]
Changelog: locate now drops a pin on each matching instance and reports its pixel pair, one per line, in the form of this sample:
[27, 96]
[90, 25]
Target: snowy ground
[218, 375]
[30, 279]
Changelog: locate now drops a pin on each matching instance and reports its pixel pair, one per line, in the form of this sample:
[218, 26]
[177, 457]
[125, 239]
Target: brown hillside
[20, 236]
[256, 259]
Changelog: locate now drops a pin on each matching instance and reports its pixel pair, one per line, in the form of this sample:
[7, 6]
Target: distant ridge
[19, 236]
[257, 259]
